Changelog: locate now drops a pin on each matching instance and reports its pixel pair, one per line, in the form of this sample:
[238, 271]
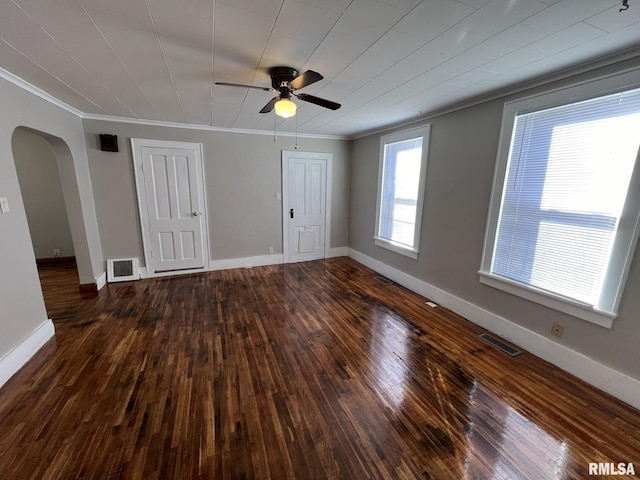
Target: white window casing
[563, 218]
[401, 183]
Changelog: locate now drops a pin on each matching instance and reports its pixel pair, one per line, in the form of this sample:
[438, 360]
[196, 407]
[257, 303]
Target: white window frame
[424, 132]
[628, 230]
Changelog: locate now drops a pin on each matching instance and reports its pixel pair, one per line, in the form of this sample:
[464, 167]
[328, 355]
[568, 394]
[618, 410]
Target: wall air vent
[383, 280]
[122, 270]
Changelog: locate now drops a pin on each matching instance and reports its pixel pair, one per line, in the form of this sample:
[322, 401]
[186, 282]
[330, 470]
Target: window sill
[396, 247]
[556, 302]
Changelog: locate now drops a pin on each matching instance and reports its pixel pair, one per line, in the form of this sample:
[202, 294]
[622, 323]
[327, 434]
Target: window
[401, 179]
[562, 227]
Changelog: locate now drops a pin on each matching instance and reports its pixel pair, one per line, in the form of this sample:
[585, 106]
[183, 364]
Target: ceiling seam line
[327, 34]
[455, 56]
[304, 64]
[166, 61]
[72, 58]
[118, 58]
[54, 76]
[371, 46]
[273, 26]
[419, 48]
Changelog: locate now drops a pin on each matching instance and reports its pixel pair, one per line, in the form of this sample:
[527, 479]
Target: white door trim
[136, 147]
[328, 157]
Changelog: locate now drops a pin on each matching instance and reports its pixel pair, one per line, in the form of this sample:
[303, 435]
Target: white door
[305, 205]
[171, 204]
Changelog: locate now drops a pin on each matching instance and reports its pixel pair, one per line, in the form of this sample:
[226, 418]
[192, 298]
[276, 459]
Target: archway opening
[37, 158]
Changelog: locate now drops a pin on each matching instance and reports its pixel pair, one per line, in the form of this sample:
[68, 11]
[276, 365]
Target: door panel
[185, 206]
[159, 190]
[189, 245]
[167, 246]
[308, 238]
[306, 194]
[173, 203]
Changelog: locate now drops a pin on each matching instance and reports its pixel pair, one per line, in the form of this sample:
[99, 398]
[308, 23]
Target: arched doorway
[72, 207]
[42, 195]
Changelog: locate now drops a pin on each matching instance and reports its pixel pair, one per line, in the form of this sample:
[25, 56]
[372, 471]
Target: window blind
[567, 178]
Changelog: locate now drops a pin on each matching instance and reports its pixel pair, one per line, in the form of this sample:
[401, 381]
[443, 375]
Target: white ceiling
[385, 61]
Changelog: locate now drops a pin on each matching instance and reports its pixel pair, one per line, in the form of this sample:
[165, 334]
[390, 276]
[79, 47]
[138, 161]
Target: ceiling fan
[285, 81]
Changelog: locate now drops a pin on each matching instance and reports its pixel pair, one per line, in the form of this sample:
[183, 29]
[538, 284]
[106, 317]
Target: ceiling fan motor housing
[282, 74]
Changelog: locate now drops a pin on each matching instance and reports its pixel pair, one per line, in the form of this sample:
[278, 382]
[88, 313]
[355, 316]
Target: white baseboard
[20, 355]
[101, 281]
[247, 262]
[223, 264]
[336, 252]
[605, 378]
[243, 262]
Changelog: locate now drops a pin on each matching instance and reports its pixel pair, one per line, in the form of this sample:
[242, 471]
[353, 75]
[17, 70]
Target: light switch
[4, 205]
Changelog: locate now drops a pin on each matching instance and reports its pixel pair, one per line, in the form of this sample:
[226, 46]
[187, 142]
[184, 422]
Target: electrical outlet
[557, 330]
[270, 249]
[56, 252]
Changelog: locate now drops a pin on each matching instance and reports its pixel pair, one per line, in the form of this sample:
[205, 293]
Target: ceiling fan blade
[318, 101]
[305, 79]
[269, 106]
[266, 89]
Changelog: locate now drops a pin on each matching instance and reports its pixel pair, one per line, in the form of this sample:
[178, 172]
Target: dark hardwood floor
[310, 370]
[60, 288]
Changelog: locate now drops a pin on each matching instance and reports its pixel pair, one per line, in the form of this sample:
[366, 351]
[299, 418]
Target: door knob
[291, 213]
[195, 214]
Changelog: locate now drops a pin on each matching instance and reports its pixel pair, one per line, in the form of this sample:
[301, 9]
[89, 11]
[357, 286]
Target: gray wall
[41, 189]
[242, 176]
[22, 308]
[462, 157]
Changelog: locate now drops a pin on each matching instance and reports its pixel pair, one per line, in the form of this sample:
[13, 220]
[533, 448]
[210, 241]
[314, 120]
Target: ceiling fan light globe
[285, 108]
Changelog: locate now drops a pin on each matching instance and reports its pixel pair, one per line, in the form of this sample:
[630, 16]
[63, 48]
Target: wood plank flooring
[62, 296]
[305, 371]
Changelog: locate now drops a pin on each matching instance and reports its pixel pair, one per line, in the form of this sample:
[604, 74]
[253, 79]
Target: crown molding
[19, 82]
[193, 126]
